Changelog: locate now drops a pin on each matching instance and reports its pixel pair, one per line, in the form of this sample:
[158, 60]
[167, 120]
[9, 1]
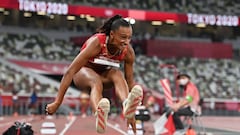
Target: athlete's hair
[113, 23]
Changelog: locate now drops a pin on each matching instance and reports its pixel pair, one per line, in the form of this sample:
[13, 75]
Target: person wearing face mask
[188, 104]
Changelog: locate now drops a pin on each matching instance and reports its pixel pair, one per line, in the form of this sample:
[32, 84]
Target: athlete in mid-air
[96, 68]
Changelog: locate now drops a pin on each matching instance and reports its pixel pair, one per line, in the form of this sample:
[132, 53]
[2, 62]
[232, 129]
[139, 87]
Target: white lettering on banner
[108, 12]
[219, 20]
[42, 6]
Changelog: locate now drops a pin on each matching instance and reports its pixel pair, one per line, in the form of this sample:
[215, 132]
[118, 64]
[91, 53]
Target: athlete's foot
[102, 115]
[134, 99]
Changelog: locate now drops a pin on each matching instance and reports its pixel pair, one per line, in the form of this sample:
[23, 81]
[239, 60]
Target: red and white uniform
[103, 58]
[191, 90]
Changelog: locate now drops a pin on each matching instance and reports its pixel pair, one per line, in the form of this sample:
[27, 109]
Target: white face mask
[183, 81]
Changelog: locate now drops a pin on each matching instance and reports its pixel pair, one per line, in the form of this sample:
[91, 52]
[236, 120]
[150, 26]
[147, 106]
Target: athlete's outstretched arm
[128, 67]
[91, 50]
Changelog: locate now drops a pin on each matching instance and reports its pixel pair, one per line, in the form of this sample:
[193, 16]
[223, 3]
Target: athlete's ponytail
[112, 24]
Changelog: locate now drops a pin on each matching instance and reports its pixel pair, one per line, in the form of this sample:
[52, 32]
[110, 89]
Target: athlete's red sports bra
[103, 58]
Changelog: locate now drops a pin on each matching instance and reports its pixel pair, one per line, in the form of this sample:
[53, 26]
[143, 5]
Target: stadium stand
[206, 73]
[17, 84]
[16, 79]
[36, 47]
[215, 78]
[226, 7]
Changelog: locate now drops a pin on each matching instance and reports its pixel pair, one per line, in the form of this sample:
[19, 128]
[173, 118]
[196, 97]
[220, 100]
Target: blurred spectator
[114, 109]
[15, 103]
[188, 105]
[84, 104]
[150, 102]
[33, 102]
[1, 105]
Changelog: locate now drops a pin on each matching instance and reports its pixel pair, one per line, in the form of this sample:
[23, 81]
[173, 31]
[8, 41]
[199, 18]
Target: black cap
[183, 74]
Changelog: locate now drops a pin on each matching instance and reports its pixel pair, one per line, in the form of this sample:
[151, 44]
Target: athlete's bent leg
[134, 99]
[120, 84]
[130, 100]
[103, 109]
[87, 78]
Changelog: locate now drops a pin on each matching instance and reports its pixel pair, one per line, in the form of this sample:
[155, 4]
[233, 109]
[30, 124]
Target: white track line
[68, 125]
[117, 129]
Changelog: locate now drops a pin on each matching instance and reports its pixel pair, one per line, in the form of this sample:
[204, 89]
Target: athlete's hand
[132, 122]
[51, 108]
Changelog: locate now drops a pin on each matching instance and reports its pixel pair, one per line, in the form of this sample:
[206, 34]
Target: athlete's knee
[116, 74]
[96, 84]
[116, 71]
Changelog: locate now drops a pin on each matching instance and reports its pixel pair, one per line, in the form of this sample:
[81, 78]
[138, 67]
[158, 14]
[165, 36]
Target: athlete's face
[121, 37]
